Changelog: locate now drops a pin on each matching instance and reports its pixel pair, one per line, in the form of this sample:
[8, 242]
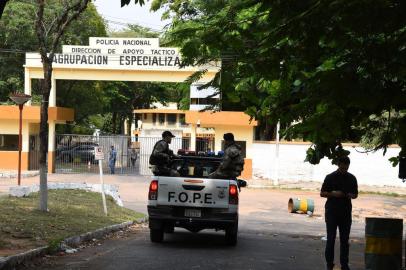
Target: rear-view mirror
[241, 183]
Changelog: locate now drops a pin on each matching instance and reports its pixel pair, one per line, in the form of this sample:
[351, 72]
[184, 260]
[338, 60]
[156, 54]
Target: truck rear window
[195, 166]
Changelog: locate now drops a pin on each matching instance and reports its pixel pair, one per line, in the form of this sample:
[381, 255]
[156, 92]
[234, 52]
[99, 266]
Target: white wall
[12, 127]
[370, 168]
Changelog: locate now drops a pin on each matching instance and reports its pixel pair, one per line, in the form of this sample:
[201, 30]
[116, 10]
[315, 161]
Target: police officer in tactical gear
[161, 156]
[339, 187]
[233, 162]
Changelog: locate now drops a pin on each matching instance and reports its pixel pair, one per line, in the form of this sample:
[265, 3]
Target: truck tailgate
[193, 192]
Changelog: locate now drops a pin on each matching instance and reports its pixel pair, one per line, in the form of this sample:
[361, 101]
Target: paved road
[270, 237]
[183, 250]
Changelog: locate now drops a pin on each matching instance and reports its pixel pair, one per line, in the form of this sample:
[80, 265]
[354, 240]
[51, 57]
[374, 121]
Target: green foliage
[3, 4]
[127, 2]
[135, 31]
[17, 33]
[330, 72]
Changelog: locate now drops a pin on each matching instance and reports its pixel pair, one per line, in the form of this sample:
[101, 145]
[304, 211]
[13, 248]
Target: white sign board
[119, 54]
[167, 51]
[98, 153]
[131, 42]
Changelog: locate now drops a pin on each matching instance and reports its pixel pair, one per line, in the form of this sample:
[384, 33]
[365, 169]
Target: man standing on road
[161, 156]
[233, 162]
[112, 159]
[339, 187]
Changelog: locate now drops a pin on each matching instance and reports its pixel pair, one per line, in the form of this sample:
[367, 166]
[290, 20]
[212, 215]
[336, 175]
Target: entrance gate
[75, 154]
[111, 59]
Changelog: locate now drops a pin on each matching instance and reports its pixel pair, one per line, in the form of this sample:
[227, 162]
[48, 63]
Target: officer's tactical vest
[156, 159]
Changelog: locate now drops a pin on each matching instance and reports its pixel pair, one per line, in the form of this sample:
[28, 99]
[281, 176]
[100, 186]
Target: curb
[12, 261]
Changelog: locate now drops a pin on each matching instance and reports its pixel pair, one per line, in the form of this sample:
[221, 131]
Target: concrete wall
[370, 168]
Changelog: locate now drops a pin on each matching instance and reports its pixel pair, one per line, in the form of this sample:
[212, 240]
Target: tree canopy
[329, 71]
[102, 105]
[3, 4]
[17, 36]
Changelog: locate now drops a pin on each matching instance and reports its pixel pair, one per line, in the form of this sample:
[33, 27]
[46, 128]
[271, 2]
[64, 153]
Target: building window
[171, 118]
[8, 142]
[145, 116]
[204, 101]
[161, 118]
[154, 118]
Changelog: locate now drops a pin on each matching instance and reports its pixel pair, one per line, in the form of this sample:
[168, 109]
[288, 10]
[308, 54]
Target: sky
[118, 16]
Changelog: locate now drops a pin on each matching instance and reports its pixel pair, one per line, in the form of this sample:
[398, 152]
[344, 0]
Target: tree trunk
[114, 123]
[43, 166]
[122, 124]
[69, 13]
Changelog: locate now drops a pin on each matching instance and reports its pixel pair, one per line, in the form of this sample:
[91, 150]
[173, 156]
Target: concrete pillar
[51, 136]
[52, 95]
[193, 137]
[51, 147]
[26, 137]
[27, 84]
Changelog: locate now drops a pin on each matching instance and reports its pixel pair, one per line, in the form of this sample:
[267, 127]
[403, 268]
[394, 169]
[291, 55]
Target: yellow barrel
[383, 247]
[302, 205]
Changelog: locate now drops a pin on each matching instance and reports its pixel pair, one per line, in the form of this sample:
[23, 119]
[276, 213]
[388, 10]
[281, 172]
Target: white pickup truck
[193, 201]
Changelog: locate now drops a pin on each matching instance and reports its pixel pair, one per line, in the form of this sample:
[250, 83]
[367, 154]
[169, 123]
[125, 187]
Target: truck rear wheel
[156, 235]
[231, 238]
[232, 235]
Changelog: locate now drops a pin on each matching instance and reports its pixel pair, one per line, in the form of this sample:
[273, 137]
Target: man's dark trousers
[342, 220]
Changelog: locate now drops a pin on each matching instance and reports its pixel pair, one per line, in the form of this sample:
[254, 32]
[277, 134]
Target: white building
[201, 99]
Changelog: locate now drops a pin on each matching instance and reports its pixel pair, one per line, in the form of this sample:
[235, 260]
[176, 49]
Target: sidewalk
[14, 174]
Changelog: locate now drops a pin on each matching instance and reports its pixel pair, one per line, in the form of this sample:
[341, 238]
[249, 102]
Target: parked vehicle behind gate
[193, 201]
[83, 152]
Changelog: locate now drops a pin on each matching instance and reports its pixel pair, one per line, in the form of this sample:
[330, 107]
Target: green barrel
[300, 205]
[383, 244]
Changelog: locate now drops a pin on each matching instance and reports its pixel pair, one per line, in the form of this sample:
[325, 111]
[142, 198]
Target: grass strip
[71, 212]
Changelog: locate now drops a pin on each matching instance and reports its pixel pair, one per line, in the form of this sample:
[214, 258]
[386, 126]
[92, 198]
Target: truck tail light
[233, 194]
[153, 190]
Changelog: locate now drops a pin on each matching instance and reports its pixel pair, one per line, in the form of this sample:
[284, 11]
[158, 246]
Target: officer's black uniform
[338, 214]
[161, 157]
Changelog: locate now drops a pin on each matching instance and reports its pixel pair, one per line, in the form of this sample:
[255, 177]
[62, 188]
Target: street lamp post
[20, 100]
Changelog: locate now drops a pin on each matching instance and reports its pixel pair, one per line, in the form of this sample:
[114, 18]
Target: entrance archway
[111, 59]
